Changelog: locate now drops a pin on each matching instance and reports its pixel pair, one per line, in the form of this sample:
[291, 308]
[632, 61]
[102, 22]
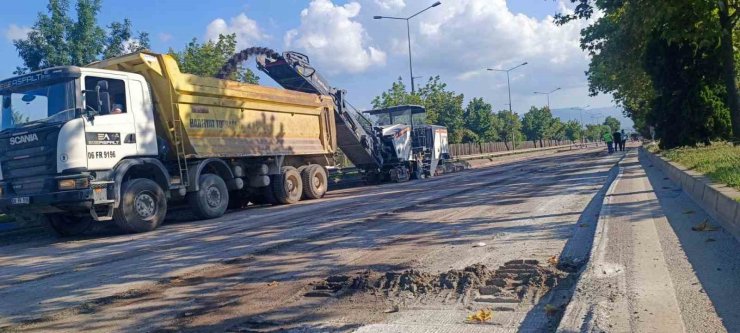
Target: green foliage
[594, 132]
[57, 40]
[120, 41]
[206, 59]
[395, 96]
[537, 124]
[660, 61]
[720, 161]
[510, 126]
[688, 108]
[613, 124]
[444, 107]
[573, 130]
[481, 124]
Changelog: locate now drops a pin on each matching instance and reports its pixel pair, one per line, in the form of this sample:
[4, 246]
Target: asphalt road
[249, 270]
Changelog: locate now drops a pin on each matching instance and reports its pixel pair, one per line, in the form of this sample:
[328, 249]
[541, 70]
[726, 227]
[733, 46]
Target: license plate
[21, 201]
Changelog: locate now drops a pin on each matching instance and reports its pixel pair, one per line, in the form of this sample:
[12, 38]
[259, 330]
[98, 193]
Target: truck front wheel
[212, 198]
[143, 206]
[287, 187]
[67, 226]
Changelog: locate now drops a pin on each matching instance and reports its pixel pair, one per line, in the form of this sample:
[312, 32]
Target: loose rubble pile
[510, 283]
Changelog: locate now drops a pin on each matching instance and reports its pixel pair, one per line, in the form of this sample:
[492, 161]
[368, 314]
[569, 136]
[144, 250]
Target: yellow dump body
[222, 118]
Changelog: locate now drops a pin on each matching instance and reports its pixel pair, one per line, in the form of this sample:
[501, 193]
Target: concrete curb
[578, 316]
[717, 200]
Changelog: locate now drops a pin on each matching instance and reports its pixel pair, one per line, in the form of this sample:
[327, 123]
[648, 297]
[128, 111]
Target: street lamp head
[524, 63]
[437, 4]
[377, 17]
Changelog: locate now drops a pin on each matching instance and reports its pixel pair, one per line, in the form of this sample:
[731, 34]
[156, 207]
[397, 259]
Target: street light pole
[508, 80]
[411, 67]
[408, 34]
[548, 95]
[508, 84]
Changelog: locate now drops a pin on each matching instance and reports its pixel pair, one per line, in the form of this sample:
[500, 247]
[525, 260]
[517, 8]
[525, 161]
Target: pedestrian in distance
[617, 140]
[609, 141]
[624, 141]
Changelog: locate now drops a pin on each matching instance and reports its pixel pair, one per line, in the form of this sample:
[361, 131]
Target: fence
[463, 149]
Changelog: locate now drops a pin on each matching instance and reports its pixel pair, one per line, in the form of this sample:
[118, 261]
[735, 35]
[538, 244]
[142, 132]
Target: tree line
[59, 38]
[476, 122]
[671, 64]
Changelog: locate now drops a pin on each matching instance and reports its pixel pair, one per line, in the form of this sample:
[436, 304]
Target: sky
[457, 40]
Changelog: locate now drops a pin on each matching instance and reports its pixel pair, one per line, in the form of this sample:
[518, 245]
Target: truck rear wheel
[67, 226]
[315, 181]
[143, 206]
[212, 198]
[288, 186]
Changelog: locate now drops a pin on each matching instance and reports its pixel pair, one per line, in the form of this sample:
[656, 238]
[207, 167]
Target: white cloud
[459, 39]
[390, 4]
[14, 32]
[247, 31]
[333, 37]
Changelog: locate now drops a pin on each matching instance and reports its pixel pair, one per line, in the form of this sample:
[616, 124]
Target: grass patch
[720, 161]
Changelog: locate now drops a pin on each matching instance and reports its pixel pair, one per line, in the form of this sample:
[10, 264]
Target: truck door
[110, 136]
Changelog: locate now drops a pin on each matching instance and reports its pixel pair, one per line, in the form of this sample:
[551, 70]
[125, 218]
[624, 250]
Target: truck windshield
[48, 103]
[405, 117]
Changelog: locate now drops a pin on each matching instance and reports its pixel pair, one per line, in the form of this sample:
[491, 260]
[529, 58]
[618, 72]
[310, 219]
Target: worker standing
[609, 141]
[617, 140]
[624, 141]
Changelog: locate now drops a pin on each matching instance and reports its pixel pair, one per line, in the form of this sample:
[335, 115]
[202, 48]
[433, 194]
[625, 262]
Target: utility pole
[408, 34]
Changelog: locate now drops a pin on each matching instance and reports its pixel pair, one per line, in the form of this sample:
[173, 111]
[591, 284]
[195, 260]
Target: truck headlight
[1, 191]
[71, 184]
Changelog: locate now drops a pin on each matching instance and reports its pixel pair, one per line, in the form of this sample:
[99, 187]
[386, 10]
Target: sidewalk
[649, 271]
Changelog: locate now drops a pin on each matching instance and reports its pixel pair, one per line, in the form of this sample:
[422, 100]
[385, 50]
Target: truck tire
[288, 186]
[315, 181]
[67, 226]
[143, 206]
[212, 199]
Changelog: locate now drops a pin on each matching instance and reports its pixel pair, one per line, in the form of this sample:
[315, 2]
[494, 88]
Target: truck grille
[25, 166]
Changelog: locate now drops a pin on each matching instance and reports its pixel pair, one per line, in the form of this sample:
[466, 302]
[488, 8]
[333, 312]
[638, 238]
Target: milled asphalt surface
[248, 271]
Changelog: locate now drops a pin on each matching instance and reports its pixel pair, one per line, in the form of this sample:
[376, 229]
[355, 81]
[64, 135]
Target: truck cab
[63, 131]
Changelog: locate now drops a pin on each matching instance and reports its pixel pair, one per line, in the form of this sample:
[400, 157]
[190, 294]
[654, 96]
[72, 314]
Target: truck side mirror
[104, 102]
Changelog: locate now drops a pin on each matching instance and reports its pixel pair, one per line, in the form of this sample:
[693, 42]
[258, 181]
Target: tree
[537, 124]
[444, 107]
[395, 96]
[481, 125]
[573, 130]
[510, 126]
[613, 124]
[85, 36]
[207, 59]
[595, 132]
[120, 40]
[619, 40]
[57, 40]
